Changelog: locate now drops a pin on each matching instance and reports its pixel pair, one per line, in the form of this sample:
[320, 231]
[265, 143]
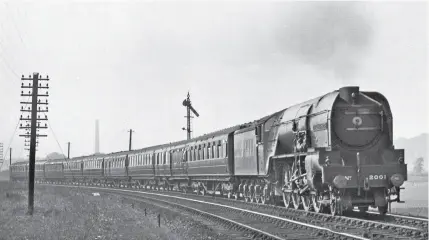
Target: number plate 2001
[377, 177]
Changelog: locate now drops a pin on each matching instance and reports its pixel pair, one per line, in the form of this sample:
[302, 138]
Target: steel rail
[342, 234]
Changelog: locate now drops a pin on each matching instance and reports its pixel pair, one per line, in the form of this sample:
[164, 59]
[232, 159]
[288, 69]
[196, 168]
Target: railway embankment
[75, 214]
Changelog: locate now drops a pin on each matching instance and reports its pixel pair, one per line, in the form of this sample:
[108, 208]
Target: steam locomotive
[329, 154]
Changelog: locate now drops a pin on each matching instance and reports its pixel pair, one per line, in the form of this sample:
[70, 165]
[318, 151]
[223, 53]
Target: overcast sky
[131, 64]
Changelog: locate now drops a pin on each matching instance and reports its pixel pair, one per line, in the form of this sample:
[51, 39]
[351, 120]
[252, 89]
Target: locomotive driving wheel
[306, 198]
[307, 202]
[316, 199]
[287, 196]
[296, 199]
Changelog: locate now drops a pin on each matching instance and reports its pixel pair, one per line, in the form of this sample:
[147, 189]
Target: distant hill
[415, 147]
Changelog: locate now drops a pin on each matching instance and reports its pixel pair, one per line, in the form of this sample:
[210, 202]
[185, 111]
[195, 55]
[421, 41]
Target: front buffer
[364, 185]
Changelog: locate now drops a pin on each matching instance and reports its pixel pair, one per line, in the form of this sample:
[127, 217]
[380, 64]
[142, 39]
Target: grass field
[62, 213]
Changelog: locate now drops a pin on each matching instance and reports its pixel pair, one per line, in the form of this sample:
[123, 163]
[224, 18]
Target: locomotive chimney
[349, 94]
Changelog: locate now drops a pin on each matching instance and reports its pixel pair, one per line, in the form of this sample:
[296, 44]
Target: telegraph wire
[13, 136]
[15, 26]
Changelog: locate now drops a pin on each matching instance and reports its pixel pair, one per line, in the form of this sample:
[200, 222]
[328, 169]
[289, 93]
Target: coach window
[214, 147]
[185, 155]
[168, 157]
[220, 151]
[163, 158]
[189, 155]
[209, 152]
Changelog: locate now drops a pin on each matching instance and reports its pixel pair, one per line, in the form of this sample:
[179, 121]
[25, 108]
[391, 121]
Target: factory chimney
[97, 138]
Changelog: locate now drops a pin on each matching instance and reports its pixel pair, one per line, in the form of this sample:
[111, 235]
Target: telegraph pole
[68, 150]
[131, 138]
[34, 120]
[189, 108]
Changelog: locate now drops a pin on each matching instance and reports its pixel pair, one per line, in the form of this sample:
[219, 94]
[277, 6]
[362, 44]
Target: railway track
[368, 227]
[257, 225]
